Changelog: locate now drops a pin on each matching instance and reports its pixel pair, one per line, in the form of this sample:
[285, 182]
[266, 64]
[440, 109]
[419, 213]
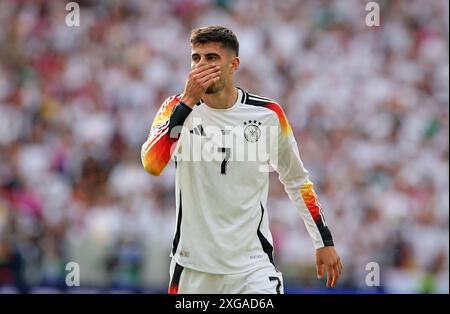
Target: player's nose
[204, 61]
[201, 62]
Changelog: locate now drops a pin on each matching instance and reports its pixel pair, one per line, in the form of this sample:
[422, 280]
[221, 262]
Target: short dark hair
[218, 34]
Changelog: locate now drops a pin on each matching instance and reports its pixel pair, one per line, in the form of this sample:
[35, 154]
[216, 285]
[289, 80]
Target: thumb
[319, 267]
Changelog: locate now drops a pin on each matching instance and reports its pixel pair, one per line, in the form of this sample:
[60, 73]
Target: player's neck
[224, 99]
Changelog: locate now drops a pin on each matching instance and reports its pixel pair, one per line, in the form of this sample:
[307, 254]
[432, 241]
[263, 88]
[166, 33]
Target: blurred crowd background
[369, 107]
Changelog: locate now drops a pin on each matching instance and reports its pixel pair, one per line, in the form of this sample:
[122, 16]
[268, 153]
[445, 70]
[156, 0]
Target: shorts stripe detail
[175, 282]
[278, 285]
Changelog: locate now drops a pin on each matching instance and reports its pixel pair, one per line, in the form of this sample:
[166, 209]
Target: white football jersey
[222, 159]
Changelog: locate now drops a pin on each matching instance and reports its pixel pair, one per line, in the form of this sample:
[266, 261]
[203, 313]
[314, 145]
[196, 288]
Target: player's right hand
[198, 80]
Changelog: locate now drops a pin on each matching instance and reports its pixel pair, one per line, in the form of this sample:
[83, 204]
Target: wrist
[188, 101]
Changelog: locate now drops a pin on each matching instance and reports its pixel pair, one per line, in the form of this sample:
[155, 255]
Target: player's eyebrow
[212, 54]
[209, 54]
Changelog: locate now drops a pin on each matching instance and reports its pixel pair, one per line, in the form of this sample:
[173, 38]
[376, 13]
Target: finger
[319, 268]
[330, 276]
[203, 78]
[199, 67]
[341, 267]
[336, 274]
[204, 68]
[209, 77]
[205, 73]
[210, 82]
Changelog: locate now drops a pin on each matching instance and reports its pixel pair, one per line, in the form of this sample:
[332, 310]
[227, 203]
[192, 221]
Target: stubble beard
[214, 88]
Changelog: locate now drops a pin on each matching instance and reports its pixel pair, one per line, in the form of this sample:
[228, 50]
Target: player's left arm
[300, 189]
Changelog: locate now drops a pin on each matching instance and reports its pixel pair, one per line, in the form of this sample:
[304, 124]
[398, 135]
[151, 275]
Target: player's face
[214, 53]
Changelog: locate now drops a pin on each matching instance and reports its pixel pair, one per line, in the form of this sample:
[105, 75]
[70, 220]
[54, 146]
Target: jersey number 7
[223, 166]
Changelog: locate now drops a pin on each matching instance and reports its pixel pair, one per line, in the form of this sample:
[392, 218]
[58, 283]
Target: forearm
[300, 189]
[156, 151]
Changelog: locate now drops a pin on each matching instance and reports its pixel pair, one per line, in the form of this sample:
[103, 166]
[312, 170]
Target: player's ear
[235, 64]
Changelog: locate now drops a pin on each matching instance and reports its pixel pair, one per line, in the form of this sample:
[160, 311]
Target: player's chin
[212, 89]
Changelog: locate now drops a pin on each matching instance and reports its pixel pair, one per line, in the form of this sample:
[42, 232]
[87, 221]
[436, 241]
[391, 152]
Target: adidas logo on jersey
[198, 130]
